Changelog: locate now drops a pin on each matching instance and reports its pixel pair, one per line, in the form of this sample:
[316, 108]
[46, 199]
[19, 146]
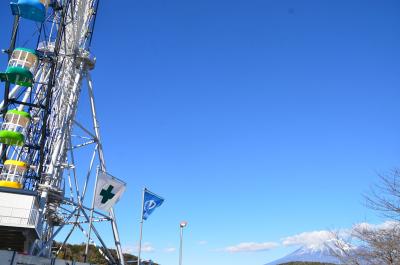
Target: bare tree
[341, 247]
[366, 245]
[374, 245]
[385, 196]
[378, 246]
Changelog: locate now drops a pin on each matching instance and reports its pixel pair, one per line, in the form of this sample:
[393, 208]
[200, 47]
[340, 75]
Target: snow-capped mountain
[319, 253]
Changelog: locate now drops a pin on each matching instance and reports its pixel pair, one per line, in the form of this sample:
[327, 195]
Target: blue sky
[255, 120]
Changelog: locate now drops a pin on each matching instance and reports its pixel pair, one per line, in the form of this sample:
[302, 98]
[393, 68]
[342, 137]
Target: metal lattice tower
[43, 85]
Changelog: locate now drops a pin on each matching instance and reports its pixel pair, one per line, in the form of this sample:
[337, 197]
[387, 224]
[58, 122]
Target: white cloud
[146, 247]
[129, 249]
[202, 242]
[251, 247]
[315, 239]
[385, 225]
[169, 250]
[308, 239]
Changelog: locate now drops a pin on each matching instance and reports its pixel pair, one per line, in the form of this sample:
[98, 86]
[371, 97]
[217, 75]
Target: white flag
[108, 191]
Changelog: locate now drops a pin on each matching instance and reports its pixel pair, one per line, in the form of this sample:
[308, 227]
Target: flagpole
[91, 216]
[141, 228]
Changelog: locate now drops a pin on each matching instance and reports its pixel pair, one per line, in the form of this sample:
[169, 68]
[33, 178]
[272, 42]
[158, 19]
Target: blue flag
[150, 202]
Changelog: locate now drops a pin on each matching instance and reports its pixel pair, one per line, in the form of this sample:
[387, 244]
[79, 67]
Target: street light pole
[182, 225]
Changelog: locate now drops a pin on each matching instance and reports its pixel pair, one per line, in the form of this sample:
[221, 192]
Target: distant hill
[75, 252]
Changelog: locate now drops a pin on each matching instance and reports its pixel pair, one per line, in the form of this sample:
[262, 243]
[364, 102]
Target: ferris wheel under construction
[42, 191]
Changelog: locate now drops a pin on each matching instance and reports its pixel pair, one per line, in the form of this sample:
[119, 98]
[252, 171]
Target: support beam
[96, 127]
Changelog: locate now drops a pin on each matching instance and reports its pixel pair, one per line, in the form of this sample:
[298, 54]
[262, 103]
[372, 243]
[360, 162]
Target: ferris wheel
[41, 191]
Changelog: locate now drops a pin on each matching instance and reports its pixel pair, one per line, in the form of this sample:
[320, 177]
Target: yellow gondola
[12, 174]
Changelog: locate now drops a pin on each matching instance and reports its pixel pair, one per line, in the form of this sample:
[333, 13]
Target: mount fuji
[320, 253]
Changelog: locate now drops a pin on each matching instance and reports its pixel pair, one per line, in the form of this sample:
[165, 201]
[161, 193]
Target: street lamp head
[183, 224]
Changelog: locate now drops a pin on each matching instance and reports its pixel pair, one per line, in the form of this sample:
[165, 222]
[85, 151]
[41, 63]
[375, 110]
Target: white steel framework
[65, 63]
